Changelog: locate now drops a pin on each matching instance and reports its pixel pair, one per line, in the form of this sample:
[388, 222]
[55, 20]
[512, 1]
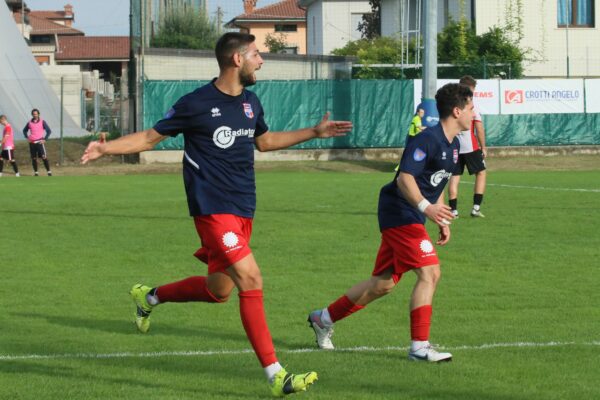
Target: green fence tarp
[381, 111]
[542, 129]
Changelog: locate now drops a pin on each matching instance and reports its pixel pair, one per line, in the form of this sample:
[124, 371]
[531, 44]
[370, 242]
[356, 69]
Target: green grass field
[518, 304]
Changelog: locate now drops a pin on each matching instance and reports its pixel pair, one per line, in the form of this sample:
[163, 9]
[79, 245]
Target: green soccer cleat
[285, 383]
[143, 309]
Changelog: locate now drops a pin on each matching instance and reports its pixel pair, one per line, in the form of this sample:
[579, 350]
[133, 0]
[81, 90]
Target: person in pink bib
[8, 146]
[37, 132]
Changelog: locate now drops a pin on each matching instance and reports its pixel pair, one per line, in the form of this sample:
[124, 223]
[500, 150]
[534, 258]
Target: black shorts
[37, 150]
[8, 154]
[474, 162]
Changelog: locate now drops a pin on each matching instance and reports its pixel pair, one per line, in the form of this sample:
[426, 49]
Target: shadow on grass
[94, 215]
[127, 327]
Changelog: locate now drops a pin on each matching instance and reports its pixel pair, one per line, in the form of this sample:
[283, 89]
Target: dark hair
[452, 95]
[2, 116]
[468, 80]
[35, 109]
[230, 43]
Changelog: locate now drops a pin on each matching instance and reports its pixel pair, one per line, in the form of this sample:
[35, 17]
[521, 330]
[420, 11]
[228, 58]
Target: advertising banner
[541, 96]
[486, 95]
[592, 95]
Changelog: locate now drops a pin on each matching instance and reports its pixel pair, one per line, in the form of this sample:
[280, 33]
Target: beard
[247, 78]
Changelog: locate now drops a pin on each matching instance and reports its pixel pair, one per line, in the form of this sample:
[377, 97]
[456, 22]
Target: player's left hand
[444, 235]
[484, 152]
[327, 128]
[92, 152]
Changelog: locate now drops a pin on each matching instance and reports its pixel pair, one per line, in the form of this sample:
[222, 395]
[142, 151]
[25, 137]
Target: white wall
[204, 67]
[390, 13]
[546, 41]
[71, 89]
[314, 28]
[330, 21]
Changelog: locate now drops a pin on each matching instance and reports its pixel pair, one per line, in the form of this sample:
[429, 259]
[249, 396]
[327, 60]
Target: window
[286, 28]
[37, 39]
[289, 50]
[575, 13]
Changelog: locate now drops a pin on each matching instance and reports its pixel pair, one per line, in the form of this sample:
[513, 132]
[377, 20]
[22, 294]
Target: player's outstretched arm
[280, 140]
[134, 143]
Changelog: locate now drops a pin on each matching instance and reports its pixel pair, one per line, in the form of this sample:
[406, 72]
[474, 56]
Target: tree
[186, 30]
[476, 55]
[381, 50]
[370, 26]
[457, 45]
[276, 42]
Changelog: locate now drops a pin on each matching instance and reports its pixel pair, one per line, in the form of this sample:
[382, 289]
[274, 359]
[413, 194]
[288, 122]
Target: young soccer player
[472, 154]
[221, 123]
[8, 146]
[416, 193]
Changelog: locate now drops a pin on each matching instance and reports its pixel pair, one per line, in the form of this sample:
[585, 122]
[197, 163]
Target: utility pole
[430, 8]
[219, 19]
[23, 18]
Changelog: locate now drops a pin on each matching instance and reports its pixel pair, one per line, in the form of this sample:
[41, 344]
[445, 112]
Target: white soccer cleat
[477, 214]
[455, 213]
[428, 353]
[323, 333]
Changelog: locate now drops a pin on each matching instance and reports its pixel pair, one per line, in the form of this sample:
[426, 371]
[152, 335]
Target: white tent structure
[23, 86]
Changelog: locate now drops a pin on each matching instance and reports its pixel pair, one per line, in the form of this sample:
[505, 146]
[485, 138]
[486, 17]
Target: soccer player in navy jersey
[222, 123]
[416, 193]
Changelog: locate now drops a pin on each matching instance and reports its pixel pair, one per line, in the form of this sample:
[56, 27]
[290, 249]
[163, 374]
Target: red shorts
[225, 239]
[404, 248]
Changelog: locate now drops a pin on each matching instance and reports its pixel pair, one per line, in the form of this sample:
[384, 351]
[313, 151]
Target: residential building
[560, 37]
[331, 24]
[284, 21]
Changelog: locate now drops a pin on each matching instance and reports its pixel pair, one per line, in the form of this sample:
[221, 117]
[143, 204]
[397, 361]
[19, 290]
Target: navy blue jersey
[218, 162]
[431, 159]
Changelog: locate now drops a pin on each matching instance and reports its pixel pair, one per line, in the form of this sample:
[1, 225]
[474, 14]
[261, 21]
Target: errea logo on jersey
[215, 112]
[224, 136]
[437, 177]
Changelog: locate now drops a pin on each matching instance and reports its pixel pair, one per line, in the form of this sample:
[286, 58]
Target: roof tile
[283, 10]
[93, 48]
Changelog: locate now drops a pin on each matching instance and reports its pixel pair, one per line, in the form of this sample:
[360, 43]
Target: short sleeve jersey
[8, 137]
[468, 139]
[218, 163]
[431, 159]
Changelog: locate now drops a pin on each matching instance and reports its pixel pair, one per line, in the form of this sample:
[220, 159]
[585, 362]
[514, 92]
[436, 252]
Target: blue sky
[111, 17]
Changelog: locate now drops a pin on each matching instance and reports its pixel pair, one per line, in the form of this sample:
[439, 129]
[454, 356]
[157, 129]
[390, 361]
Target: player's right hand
[92, 152]
[441, 214]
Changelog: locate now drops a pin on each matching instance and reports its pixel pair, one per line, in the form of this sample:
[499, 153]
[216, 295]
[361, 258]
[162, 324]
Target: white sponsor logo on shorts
[230, 239]
[426, 246]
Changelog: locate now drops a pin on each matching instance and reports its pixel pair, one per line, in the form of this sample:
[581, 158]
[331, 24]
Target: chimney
[69, 16]
[68, 10]
[249, 6]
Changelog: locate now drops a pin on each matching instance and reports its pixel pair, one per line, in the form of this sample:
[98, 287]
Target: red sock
[252, 312]
[190, 289]
[342, 307]
[420, 321]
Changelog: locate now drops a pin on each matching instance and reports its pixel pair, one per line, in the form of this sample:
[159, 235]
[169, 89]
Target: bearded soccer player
[8, 146]
[222, 122]
[415, 194]
[39, 131]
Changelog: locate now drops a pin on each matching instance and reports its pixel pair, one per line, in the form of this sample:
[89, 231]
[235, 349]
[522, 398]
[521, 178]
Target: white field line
[536, 187]
[361, 349]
